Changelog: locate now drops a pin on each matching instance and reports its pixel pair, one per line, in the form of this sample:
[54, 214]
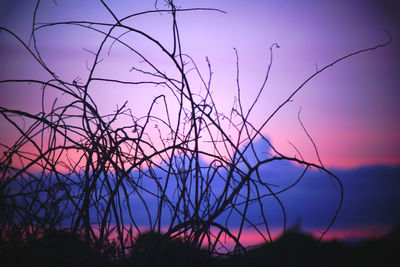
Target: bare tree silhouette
[74, 168]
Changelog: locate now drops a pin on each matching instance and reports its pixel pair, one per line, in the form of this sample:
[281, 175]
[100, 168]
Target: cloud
[371, 197]
[370, 194]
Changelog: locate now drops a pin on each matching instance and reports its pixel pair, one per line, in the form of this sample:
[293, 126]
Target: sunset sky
[351, 110]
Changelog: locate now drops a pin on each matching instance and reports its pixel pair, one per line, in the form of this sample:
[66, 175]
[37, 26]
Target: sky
[351, 110]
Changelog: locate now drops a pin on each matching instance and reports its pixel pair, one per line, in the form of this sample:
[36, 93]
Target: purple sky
[351, 110]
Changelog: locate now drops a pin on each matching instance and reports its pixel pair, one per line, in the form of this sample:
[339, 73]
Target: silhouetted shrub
[377, 251]
[155, 249]
[294, 248]
[58, 248]
[297, 248]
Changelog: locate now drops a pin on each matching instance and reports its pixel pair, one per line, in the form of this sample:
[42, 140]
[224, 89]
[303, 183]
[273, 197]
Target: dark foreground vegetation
[296, 248]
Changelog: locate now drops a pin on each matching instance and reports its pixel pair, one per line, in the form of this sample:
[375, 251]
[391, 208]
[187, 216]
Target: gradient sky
[351, 110]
